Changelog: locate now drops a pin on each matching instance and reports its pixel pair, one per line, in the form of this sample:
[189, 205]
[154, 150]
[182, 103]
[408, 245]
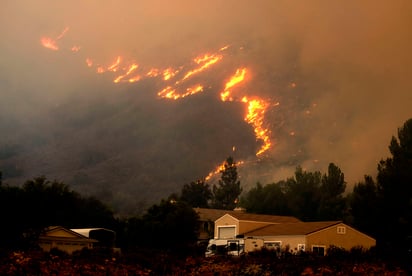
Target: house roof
[55, 232]
[86, 231]
[297, 228]
[206, 214]
[213, 214]
[263, 218]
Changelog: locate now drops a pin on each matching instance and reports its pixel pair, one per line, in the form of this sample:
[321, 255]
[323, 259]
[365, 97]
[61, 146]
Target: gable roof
[297, 228]
[56, 231]
[86, 231]
[214, 214]
[206, 214]
[61, 233]
[263, 218]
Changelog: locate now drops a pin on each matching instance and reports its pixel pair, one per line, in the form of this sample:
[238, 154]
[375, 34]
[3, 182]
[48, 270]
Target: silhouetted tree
[363, 204]
[395, 187]
[170, 224]
[11, 216]
[130, 233]
[226, 193]
[331, 200]
[41, 203]
[268, 199]
[308, 196]
[303, 194]
[196, 194]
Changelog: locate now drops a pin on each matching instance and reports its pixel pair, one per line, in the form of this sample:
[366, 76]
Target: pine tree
[226, 193]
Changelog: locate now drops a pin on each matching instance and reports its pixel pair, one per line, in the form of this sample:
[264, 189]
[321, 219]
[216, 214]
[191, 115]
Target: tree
[170, 224]
[363, 203]
[41, 203]
[196, 194]
[226, 193]
[268, 199]
[303, 194]
[331, 200]
[395, 187]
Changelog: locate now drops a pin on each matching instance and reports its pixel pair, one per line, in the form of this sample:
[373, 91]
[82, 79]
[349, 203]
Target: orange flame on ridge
[205, 62]
[221, 168]
[237, 78]
[255, 109]
[131, 72]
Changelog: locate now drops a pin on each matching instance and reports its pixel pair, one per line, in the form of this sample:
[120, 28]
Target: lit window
[341, 230]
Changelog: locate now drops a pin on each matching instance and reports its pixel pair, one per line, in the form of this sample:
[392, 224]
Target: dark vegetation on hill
[123, 150]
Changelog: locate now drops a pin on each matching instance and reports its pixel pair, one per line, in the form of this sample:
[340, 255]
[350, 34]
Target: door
[226, 232]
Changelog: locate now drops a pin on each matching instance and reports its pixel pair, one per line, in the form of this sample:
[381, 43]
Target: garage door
[226, 232]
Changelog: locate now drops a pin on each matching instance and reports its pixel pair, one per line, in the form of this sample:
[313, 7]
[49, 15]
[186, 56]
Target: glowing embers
[51, 43]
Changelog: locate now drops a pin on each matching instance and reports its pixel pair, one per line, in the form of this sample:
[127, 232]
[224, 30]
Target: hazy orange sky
[340, 71]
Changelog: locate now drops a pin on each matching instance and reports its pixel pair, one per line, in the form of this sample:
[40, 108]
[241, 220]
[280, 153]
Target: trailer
[232, 247]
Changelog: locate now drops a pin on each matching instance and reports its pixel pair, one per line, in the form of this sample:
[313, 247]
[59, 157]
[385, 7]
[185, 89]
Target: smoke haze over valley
[334, 78]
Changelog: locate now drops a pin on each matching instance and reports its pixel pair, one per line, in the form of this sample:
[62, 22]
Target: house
[105, 237]
[70, 240]
[234, 224]
[207, 218]
[314, 237]
[64, 239]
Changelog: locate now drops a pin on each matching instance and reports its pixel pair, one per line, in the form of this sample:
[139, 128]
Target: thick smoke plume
[336, 75]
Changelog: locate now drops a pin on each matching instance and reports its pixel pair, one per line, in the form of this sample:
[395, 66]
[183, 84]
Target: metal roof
[86, 231]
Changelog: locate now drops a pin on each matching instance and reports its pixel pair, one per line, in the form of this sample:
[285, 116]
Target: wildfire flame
[170, 93]
[256, 108]
[237, 78]
[221, 168]
[51, 43]
[204, 62]
[255, 115]
[177, 87]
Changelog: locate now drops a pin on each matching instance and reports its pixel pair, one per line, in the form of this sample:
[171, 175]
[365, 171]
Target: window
[274, 245]
[319, 250]
[341, 230]
[206, 226]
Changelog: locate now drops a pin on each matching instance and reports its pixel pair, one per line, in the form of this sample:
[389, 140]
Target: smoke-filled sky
[335, 75]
